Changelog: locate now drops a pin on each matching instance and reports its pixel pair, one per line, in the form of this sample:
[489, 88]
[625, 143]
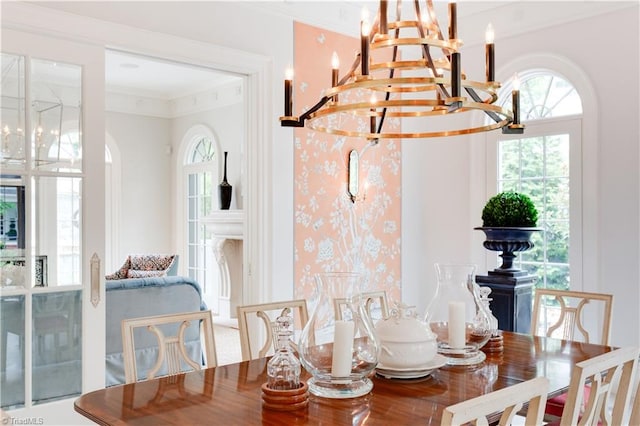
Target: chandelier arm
[314, 108]
[474, 95]
[391, 70]
[426, 53]
[326, 99]
[348, 75]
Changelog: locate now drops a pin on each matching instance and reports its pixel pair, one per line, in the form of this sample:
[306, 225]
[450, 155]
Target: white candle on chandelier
[335, 67]
[515, 99]
[490, 53]
[288, 95]
[425, 20]
[364, 42]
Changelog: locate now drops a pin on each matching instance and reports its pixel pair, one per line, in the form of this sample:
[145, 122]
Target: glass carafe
[456, 317]
[338, 346]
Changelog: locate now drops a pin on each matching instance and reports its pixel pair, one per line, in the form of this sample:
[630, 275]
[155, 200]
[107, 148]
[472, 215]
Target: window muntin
[543, 95]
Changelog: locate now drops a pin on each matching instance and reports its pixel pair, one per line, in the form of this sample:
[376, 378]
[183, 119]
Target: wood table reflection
[231, 394]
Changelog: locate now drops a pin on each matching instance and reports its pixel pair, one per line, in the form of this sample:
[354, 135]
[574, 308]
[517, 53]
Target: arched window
[545, 163]
[200, 177]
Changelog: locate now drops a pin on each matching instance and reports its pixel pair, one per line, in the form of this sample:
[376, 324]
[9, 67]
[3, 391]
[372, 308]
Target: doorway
[153, 109]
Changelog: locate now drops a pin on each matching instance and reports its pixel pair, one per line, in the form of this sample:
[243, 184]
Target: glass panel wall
[12, 350]
[40, 231]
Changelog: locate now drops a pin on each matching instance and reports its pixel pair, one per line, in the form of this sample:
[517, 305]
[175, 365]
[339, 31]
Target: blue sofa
[140, 297]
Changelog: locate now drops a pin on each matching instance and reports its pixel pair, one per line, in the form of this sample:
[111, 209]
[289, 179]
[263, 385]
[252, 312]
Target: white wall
[146, 182]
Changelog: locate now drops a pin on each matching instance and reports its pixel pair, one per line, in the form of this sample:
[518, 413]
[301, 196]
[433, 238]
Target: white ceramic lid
[403, 326]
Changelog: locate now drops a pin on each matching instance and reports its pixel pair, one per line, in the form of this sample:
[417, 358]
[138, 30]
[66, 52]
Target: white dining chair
[507, 401]
[562, 314]
[250, 316]
[375, 303]
[172, 353]
[610, 375]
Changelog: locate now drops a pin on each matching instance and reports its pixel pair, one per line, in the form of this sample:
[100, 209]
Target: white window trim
[188, 142]
[480, 171]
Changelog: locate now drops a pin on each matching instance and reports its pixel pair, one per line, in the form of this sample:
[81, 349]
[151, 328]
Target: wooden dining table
[231, 394]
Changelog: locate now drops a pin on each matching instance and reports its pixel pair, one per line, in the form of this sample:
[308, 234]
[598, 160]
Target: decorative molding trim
[220, 97]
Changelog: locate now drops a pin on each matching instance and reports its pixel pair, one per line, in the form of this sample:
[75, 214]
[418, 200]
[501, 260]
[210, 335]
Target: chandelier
[408, 70]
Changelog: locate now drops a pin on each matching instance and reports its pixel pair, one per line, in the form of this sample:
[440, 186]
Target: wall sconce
[353, 178]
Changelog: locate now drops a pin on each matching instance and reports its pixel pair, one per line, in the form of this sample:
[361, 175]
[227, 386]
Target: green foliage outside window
[539, 167]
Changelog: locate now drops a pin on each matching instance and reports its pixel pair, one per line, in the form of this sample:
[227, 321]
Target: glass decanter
[283, 369]
[456, 317]
[338, 345]
[485, 302]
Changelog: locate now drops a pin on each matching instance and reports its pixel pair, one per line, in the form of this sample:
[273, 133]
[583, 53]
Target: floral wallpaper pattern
[331, 232]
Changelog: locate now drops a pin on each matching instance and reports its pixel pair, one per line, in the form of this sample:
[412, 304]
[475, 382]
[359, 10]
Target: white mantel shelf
[226, 224]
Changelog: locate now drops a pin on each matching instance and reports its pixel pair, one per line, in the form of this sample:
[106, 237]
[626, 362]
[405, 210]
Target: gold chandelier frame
[439, 90]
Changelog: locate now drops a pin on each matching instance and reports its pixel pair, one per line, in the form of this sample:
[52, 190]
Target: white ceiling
[149, 77]
[142, 76]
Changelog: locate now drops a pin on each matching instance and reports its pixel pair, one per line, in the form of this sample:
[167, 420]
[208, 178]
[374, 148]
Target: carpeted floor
[227, 339]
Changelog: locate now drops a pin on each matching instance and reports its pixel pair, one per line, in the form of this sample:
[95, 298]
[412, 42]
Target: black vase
[224, 189]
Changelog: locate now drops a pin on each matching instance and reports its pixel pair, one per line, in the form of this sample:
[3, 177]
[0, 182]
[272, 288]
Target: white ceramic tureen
[406, 341]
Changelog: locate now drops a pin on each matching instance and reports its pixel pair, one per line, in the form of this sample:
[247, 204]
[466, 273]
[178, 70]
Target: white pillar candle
[457, 338]
[342, 349]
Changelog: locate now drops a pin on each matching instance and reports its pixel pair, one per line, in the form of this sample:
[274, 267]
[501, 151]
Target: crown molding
[220, 97]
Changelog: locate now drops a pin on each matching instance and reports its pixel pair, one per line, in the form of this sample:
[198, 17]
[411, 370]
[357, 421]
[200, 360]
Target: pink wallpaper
[332, 233]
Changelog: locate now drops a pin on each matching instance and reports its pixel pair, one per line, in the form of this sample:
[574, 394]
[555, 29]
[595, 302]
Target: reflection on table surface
[231, 394]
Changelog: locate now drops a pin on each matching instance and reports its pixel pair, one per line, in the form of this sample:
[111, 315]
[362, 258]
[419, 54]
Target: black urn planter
[225, 188]
[507, 240]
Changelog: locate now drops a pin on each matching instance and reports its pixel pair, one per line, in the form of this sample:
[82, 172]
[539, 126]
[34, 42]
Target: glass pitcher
[456, 317]
[338, 346]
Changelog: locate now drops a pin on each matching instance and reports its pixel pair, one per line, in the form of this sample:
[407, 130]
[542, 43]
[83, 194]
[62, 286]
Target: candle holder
[456, 317]
[338, 345]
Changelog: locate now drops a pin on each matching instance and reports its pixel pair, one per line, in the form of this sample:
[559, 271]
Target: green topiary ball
[509, 209]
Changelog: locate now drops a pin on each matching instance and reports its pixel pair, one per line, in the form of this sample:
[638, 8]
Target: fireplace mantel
[228, 224]
[227, 232]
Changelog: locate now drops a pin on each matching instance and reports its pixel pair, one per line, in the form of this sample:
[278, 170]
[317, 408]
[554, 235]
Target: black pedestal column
[512, 294]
